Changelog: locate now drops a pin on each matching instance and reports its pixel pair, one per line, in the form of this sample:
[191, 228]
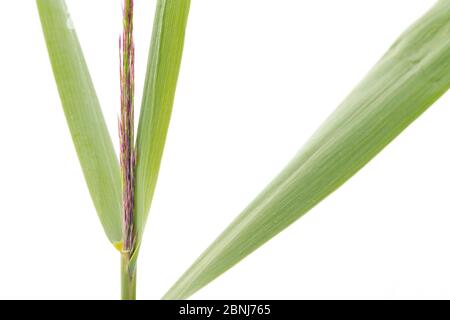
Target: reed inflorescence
[126, 127]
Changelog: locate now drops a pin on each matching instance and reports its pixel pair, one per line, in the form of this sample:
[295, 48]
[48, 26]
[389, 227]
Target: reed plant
[409, 78]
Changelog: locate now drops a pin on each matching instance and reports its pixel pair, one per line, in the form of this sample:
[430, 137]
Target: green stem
[128, 279]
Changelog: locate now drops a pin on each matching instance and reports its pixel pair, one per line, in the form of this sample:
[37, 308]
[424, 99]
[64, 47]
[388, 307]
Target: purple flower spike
[126, 126]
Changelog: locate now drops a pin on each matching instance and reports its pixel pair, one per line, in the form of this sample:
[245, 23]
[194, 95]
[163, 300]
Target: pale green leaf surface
[159, 92]
[412, 75]
[83, 114]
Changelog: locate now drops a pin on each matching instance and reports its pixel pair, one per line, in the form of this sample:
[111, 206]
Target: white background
[258, 77]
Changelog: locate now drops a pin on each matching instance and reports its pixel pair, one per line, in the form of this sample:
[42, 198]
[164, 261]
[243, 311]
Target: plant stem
[127, 151]
[128, 279]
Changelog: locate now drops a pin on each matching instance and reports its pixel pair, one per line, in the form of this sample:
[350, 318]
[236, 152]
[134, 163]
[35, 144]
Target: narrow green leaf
[409, 78]
[159, 92]
[84, 117]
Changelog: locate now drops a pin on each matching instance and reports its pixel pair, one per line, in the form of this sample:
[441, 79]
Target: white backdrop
[257, 78]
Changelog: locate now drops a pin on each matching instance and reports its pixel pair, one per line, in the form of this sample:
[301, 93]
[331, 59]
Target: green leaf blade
[83, 114]
[410, 77]
[162, 73]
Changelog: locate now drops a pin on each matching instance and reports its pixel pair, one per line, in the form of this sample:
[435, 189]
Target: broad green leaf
[159, 92]
[83, 114]
[409, 78]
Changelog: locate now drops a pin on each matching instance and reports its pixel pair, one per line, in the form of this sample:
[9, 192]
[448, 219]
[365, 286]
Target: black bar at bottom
[223, 310]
